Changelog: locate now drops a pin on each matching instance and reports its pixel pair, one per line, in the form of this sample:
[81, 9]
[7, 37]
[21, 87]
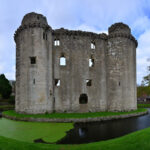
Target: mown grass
[71, 115]
[143, 105]
[135, 141]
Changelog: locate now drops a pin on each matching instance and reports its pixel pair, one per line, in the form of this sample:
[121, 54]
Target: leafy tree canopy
[5, 87]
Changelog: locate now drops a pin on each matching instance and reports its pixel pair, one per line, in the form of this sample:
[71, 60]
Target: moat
[99, 131]
[69, 133]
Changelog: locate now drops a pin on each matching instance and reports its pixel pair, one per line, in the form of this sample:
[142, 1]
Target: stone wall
[112, 78]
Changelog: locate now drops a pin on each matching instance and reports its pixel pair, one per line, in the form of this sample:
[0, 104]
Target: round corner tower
[34, 65]
[121, 69]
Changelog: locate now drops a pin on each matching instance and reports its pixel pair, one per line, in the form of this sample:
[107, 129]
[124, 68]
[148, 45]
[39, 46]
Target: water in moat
[98, 131]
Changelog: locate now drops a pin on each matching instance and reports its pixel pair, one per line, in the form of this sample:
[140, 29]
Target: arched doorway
[83, 99]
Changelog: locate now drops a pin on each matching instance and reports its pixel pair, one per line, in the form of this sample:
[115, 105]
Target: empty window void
[33, 60]
[56, 42]
[62, 60]
[88, 82]
[33, 81]
[44, 36]
[83, 99]
[92, 45]
[57, 82]
[91, 62]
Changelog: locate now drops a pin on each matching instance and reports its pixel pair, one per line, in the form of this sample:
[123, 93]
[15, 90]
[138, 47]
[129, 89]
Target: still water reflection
[98, 131]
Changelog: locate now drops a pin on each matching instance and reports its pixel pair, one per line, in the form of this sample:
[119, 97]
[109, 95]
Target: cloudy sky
[89, 15]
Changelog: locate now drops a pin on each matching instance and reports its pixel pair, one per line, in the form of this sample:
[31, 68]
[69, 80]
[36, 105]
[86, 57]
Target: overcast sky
[89, 15]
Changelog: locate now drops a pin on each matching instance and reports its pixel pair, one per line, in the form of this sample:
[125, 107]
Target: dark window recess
[38, 17]
[83, 99]
[33, 81]
[119, 83]
[33, 60]
[57, 82]
[43, 35]
[88, 82]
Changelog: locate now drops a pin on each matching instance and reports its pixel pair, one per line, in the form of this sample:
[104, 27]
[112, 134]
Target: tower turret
[34, 65]
[121, 68]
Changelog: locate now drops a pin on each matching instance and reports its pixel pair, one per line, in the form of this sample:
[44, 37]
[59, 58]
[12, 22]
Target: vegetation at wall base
[71, 115]
[143, 105]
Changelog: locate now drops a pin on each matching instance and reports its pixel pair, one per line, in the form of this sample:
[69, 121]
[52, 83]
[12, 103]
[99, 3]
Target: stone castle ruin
[74, 71]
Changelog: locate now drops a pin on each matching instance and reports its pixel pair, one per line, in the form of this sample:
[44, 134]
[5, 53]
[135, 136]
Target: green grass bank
[71, 115]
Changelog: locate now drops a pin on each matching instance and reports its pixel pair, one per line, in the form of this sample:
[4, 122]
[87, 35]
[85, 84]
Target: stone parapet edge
[129, 36]
[75, 120]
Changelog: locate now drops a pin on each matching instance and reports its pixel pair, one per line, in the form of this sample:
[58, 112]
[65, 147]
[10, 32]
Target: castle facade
[74, 71]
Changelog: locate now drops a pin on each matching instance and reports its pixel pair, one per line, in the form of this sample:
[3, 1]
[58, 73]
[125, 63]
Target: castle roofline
[34, 17]
[119, 27]
[63, 31]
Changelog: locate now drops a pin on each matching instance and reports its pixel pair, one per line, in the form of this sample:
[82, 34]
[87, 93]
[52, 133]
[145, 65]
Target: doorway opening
[83, 99]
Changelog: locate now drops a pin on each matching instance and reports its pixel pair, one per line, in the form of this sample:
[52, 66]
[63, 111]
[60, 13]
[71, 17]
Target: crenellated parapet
[31, 25]
[63, 31]
[121, 30]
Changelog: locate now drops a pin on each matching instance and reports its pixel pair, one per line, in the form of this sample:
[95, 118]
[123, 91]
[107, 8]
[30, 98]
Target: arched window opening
[56, 42]
[91, 62]
[92, 45]
[57, 82]
[83, 99]
[62, 60]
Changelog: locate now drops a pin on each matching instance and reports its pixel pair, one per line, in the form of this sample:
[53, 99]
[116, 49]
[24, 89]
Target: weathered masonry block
[74, 71]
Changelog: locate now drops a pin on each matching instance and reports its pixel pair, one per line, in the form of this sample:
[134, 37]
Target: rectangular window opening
[33, 81]
[57, 82]
[88, 82]
[33, 60]
[43, 35]
[62, 61]
[91, 62]
[56, 42]
[92, 45]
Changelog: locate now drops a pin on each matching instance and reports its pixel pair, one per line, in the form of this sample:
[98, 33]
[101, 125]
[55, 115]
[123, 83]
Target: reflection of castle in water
[83, 132]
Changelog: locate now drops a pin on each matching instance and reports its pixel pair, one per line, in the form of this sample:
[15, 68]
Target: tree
[146, 80]
[5, 87]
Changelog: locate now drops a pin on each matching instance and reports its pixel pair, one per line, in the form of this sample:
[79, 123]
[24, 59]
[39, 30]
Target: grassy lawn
[29, 131]
[72, 115]
[139, 140]
[143, 105]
